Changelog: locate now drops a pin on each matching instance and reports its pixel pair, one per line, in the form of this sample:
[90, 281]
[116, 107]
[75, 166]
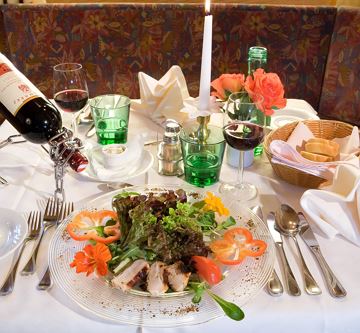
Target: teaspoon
[289, 225]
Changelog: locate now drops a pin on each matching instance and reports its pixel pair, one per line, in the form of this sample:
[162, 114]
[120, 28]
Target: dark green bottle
[257, 58]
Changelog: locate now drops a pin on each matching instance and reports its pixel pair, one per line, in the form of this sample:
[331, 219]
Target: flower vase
[233, 155]
[203, 147]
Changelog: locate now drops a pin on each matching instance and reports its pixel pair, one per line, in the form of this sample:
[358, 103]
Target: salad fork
[34, 223]
[45, 283]
[50, 217]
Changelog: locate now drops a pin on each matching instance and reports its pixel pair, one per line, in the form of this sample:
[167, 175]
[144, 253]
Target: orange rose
[270, 87]
[227, 84]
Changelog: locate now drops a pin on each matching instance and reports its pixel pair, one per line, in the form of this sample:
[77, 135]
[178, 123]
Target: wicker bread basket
[326, 129]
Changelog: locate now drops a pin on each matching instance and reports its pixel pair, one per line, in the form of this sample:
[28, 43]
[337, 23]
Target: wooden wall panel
[273, 2]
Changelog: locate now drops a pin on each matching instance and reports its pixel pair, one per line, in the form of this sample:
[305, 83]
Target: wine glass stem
[240, 173]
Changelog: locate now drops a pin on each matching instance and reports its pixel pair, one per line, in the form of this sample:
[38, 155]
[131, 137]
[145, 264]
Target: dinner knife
[91, 131]
[274, 286]
[333, 284]
[290, 281]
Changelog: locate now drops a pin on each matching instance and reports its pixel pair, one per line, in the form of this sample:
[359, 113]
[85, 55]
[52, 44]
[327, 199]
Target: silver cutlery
[274, 285]
[333, 284]
[3, 181]
[34, 223]
[50, 217]
[290, 281]
[91, 131]
[288, 223]
[12, 139]
[46, 282]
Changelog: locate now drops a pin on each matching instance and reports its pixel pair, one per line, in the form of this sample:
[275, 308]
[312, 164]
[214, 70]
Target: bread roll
[315, 157]
[322, 149]
[327, 142]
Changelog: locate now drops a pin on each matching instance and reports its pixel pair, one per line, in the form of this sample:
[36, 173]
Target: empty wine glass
[242, 133]
[70, 89]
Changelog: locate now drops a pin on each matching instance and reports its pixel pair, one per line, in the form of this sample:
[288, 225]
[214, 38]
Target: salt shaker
[169, 151]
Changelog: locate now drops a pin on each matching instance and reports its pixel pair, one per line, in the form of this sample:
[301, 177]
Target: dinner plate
[242, 282]
[143, 165]
[19, 155]
[13, 230]
[289, 115]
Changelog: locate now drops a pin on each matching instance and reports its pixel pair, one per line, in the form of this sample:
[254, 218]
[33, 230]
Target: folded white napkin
[336, 208]
[126, 165]
[163, 99]
[285, 153]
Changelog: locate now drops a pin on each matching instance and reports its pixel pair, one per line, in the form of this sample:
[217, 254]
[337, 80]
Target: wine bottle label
[15, 88]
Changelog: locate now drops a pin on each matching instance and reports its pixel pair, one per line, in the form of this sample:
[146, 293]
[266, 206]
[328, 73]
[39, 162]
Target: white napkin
[127, 165]
[163, 99]
[336, 208]
[285, 153]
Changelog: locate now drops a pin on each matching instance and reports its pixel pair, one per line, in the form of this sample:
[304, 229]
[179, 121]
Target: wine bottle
[29, 111]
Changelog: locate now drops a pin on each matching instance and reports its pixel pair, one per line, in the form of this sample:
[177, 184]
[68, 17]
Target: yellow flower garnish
[214, 203]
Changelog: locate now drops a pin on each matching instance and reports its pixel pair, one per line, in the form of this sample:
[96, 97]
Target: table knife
[333, 284]
[290, 281]
[274, 286]
[91, 131]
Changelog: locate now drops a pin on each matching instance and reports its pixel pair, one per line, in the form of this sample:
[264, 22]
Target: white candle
[205, 76]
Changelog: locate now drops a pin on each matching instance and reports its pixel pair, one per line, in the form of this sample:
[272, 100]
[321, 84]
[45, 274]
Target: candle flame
[207, 7]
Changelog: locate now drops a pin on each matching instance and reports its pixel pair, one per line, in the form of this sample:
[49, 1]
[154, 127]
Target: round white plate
[144, 165]
[19, 155]
[242, 282]
[13, 230]
[285, 116]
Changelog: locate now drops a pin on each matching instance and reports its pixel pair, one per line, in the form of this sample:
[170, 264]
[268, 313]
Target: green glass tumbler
[111, 118]
[202, 159]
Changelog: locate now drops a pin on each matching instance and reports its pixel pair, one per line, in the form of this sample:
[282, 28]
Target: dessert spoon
[289, 225]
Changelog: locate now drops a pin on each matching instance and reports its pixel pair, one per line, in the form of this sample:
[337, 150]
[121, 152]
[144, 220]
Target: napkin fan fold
[162, 99]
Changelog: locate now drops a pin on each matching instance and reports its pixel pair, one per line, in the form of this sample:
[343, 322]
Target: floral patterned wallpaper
[341, 90]
[115, 42]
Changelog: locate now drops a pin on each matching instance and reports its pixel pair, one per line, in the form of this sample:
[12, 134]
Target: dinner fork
[34, 223]
[46, 282]
[50, 217]
[3, 181]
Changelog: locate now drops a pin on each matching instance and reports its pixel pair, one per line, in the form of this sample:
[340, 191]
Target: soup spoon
[289, 225]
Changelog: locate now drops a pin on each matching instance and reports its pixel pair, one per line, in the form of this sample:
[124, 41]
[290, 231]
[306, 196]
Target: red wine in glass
[243, 135]
[71, 100]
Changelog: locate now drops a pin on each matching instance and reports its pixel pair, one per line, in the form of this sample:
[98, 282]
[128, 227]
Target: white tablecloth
[30, 310]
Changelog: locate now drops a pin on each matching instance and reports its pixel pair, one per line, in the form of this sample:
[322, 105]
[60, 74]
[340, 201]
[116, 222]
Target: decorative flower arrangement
[268, 85]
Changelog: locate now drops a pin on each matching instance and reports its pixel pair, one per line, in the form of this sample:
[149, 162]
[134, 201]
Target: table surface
[31, 182]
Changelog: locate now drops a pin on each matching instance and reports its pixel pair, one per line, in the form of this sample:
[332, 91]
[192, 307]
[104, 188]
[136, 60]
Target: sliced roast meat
[136, 272]
[156, 280]
[177, 275]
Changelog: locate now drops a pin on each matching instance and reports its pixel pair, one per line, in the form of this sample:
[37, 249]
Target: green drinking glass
[202, 158]
[111, 118]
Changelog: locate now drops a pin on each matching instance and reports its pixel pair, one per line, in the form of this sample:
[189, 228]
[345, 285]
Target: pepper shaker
[169, 151]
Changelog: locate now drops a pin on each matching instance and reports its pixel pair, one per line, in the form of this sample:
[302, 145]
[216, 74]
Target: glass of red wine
[70, 89]
[242, 133]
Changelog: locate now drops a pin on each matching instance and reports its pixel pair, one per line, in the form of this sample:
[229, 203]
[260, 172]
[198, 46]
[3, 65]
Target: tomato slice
[207, 269]
[89, 225]
[236, 245]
